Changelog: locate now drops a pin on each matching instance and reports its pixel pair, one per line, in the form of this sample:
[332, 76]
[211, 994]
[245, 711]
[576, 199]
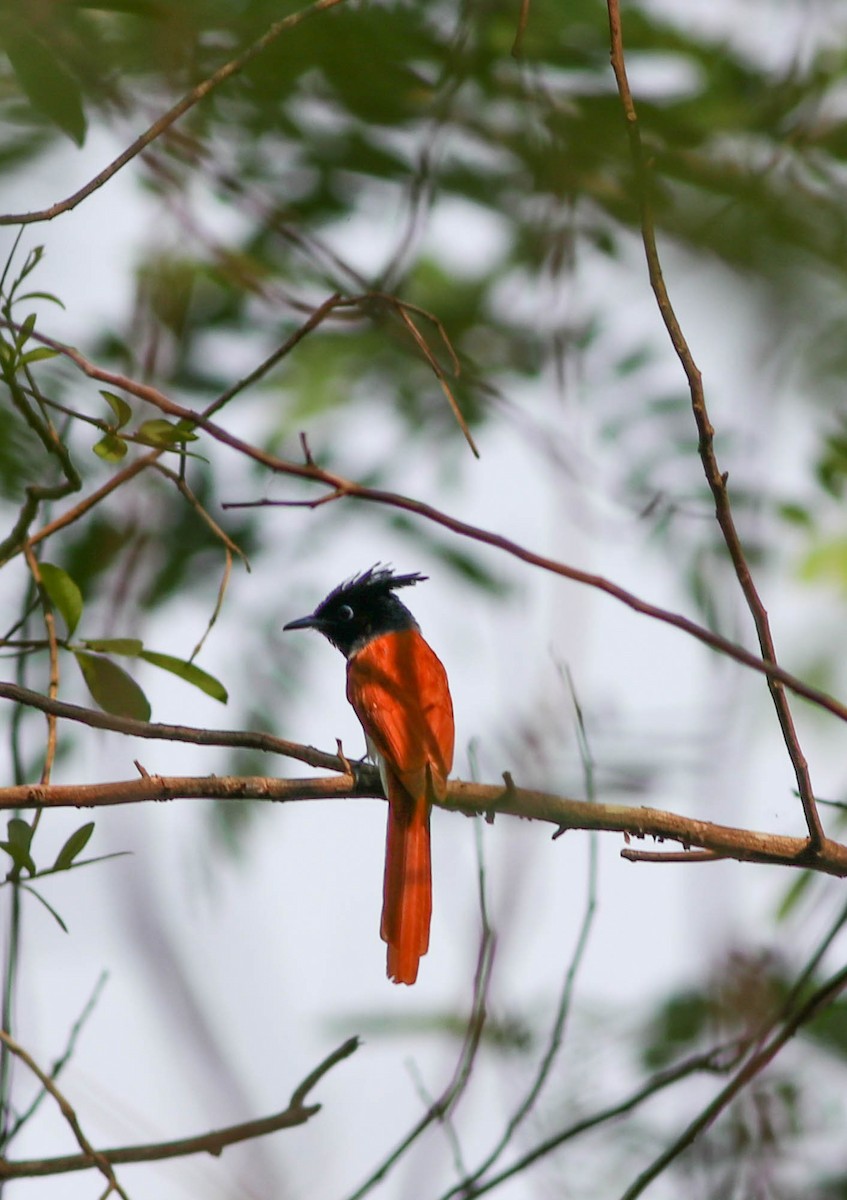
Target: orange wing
[398, 689]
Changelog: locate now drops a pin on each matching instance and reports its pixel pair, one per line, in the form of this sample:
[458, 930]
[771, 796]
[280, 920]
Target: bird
[398, 689]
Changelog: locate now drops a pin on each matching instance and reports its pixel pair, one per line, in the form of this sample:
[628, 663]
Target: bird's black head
[361, 608]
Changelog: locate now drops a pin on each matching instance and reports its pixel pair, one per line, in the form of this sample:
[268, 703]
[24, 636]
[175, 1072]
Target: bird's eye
[345, 613]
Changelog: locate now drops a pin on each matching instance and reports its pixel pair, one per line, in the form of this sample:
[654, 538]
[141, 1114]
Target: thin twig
[79, 510]
[213, 1142]
[173, 114]
[787, 1014]
[709, 1062]
[523, 21]
[715, 478]
[314, 319]
[90, 1156]
[235, 739]
[53, 682]
[671, 856]
[60, 1063]
[230, 548]
[819, 1000]
[438, 371]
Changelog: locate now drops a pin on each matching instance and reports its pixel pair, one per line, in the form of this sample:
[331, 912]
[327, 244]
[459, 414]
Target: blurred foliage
[801, 1093]
[399, 154]
[370, 122]
[380, 118]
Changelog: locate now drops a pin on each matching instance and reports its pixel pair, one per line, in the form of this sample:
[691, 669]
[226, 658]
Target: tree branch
[715, 478]
[819, 1000]
[235, 739]
[473, 799]
[89, 1157]
[173, 114]
[214, 1142]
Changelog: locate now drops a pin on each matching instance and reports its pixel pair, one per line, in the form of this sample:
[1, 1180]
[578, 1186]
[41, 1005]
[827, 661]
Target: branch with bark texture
[472, 799]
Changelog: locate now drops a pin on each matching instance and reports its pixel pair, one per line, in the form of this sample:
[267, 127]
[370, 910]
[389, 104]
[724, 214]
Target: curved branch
[214, 1142]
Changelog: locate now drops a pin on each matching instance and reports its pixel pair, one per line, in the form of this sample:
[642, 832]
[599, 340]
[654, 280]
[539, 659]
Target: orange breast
[399, 691]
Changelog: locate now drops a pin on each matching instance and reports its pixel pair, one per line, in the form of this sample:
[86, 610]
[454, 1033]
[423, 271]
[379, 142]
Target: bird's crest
[377, 580]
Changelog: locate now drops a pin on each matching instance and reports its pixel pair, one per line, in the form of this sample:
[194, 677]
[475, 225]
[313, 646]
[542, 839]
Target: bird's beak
[310, 622]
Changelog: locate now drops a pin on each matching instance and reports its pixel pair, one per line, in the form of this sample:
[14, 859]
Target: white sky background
[284, 948]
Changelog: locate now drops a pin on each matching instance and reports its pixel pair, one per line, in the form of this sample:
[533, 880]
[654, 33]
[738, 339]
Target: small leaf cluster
[18, 847]
[157, 433]
[113, 689]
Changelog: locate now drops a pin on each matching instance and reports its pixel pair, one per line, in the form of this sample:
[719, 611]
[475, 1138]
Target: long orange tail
[407, 888]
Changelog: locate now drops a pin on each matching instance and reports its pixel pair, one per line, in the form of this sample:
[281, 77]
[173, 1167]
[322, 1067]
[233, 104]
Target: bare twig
[79, 510]
[716, 479]
[314, 319]
[709, 1062]
[213, 1142]
[670, 856]
[90, 1157]
[523, 21]
[240, 740]
[438, 371]
[820, 998]
[173, 114]
[60, 1063]
[230, 548]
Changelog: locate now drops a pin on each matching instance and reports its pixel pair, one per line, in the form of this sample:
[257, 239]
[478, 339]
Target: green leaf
[25, 331]
[119, 406]
[131, 647]
[110, 448]
[64, 594]
[37, 355]
[189, 672]
[42, 296]
[17, 846]
[112, 688]
[160, 432]
[45, 80]
[75, 844]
